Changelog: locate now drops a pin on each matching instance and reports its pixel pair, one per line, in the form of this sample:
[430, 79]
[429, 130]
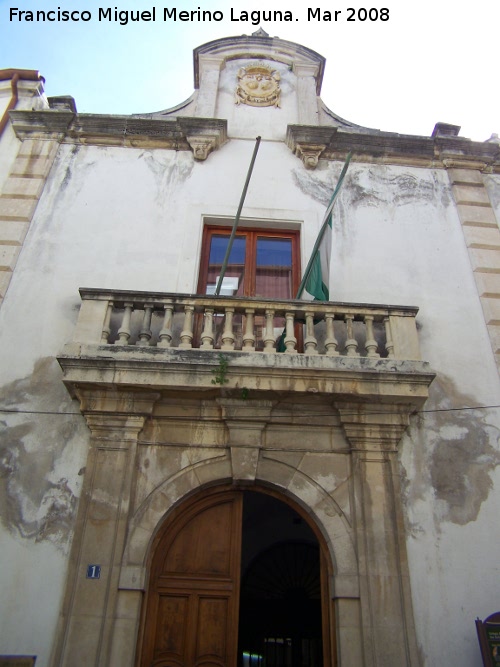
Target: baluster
[269, 339]
[371, 343]
[351, 343]
[331, 343]
[187, 332]
[165, 334]
[124, 330]
[106, 329]
[310, 342]
[227, 334]
[207, 335]
[290, 340]
[145, 332]
[389, 344]
[249, 336]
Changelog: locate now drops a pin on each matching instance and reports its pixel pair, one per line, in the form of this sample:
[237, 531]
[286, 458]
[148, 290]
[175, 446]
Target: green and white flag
[317, 274]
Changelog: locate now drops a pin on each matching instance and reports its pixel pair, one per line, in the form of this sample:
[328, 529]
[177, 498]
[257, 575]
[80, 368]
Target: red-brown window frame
[250, 254]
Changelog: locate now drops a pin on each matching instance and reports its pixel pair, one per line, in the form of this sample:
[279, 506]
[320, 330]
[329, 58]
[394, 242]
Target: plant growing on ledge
[220, 373]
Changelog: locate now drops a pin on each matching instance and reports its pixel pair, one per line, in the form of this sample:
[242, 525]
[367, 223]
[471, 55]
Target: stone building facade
[174, 490]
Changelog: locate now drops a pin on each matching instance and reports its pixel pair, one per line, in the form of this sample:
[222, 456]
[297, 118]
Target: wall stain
[454, 453]
[169, 172]
[373, 186]
[39, 456]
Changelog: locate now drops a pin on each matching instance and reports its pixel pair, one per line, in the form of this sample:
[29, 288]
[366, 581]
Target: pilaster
[115, 420]
[209, 73]
[482, 237]
[306, 93]
[18, 201]
[374, 431]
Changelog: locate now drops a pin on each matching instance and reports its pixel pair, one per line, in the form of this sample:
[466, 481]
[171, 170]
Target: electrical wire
[250, 408]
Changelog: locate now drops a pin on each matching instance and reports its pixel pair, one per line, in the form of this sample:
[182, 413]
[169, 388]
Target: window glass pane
[274, 252]
[232, 284]
[273, 275]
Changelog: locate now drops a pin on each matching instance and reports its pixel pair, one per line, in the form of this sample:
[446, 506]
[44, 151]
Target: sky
[431, 61]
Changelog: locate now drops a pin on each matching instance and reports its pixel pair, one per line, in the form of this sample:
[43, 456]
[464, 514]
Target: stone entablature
[201, 135]
[311, 143]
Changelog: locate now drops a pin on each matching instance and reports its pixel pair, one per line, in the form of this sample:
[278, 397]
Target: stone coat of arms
[258, 86]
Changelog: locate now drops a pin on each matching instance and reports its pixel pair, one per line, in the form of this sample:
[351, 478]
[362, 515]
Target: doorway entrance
[280, 592]
[238, 579]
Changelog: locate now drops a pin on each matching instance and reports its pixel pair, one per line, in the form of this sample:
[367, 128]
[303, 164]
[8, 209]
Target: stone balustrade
[185, 321]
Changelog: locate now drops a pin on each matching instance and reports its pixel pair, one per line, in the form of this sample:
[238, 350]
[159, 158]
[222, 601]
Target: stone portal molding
[246, 421]
[375, 426]
[258, 86]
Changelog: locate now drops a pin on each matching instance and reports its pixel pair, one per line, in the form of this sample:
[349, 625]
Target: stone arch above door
[325, 514]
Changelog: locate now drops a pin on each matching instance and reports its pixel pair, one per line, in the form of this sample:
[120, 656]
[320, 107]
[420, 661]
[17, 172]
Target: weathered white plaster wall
[132, 219]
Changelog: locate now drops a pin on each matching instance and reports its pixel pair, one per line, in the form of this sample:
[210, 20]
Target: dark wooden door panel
[193, 596]
[204, 544]
[171, 626]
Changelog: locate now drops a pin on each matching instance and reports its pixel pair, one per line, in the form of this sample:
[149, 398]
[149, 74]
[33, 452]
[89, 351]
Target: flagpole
[237, 219]
[323, 227]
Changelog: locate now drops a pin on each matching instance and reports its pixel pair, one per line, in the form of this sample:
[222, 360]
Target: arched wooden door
[193, 598]
[192, 608]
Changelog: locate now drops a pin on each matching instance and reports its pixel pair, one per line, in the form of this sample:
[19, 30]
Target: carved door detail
[193, 597]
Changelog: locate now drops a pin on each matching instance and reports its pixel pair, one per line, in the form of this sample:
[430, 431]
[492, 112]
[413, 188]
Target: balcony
[165, 341]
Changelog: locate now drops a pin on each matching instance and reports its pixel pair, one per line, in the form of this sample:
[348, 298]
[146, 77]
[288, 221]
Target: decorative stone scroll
[258, 86]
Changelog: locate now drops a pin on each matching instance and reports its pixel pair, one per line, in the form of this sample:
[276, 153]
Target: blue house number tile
[93, 571]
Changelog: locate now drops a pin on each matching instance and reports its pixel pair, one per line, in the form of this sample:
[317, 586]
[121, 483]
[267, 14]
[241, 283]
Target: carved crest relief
[258, 86]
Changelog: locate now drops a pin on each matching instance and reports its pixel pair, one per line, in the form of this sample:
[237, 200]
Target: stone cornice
[342, 378]
[260, 46]
[201, 135]
[390, 148]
